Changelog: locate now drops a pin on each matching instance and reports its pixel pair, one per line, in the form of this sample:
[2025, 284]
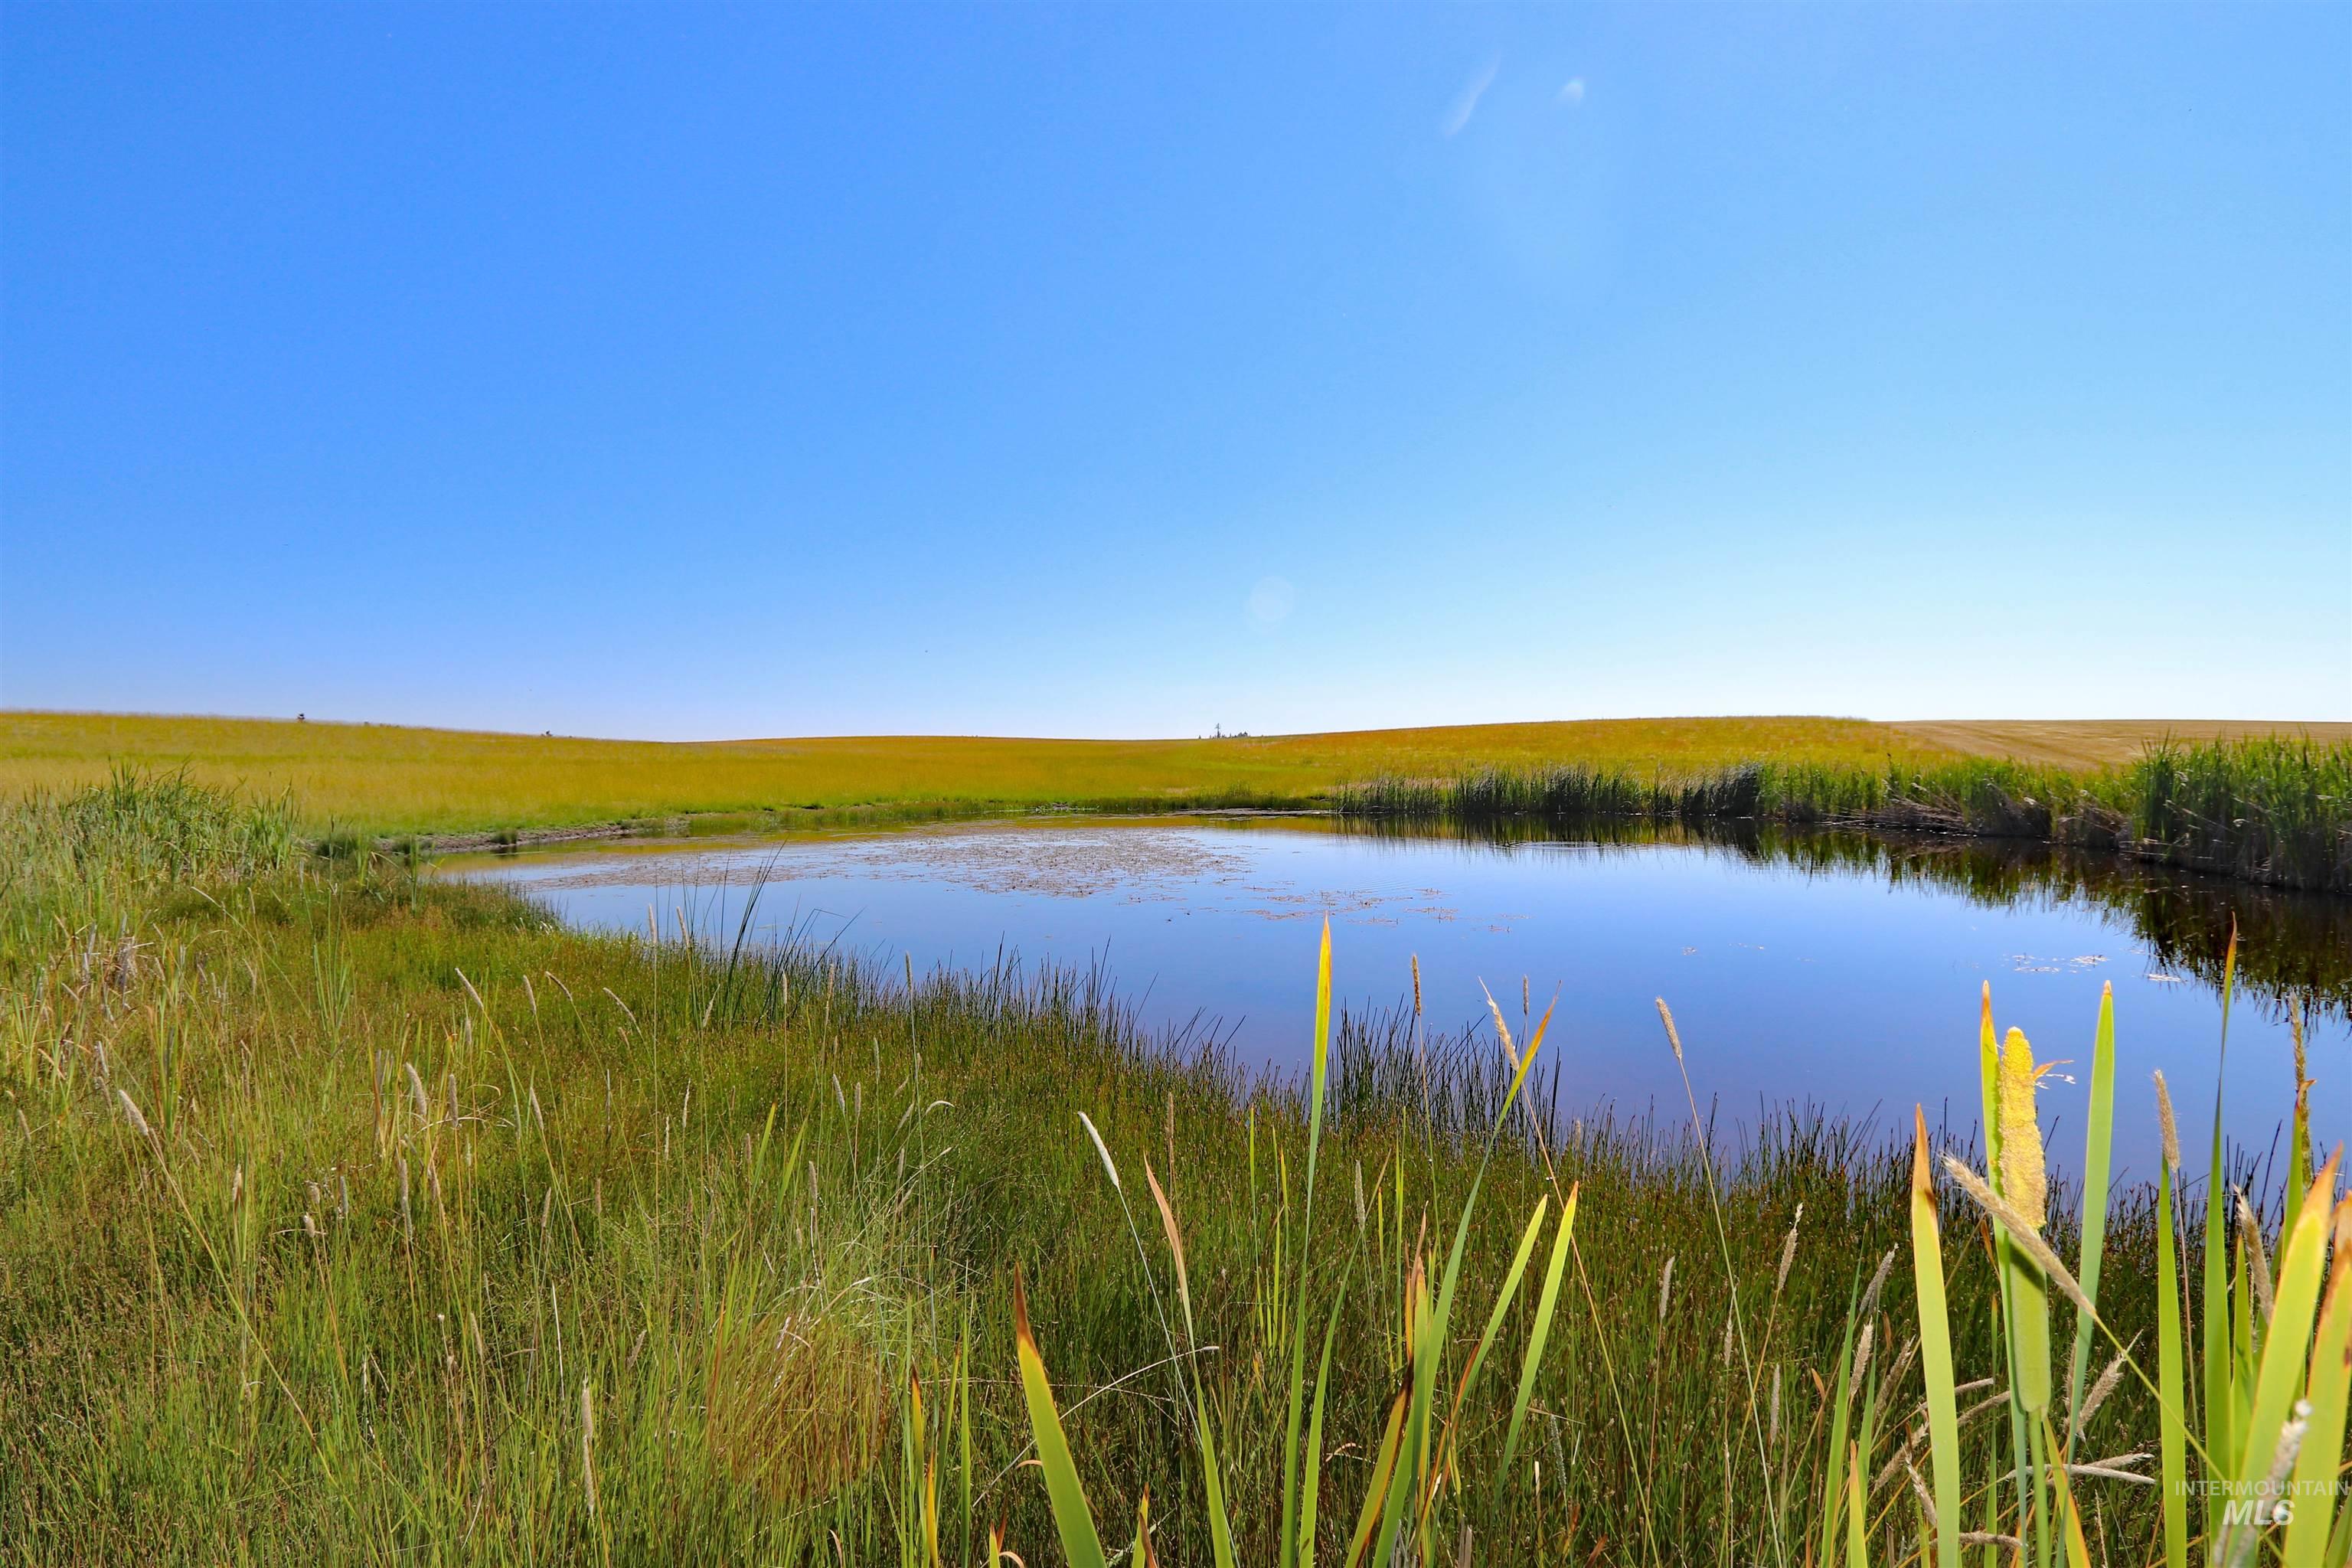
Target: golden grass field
[2095, 742]
[392, 779]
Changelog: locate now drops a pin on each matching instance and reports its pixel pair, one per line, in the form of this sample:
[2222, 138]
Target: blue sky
[1127, 370]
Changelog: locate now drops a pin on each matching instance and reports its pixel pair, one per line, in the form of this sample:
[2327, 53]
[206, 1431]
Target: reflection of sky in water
[1786, 984]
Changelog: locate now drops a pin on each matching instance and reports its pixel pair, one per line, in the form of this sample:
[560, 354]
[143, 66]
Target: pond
[1835, 970]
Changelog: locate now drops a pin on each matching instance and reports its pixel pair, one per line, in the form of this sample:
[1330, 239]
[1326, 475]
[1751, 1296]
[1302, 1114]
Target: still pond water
[1843, 972]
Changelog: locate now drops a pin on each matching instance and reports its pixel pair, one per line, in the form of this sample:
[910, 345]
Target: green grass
[353, 1218]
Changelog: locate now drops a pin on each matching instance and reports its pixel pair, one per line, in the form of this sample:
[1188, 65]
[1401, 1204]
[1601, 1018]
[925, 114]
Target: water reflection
[2292, 947]
[1837, 969]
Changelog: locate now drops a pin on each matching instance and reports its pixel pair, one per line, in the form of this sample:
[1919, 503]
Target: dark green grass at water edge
[2269, 810]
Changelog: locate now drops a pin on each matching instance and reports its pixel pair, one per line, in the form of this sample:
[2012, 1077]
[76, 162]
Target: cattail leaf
[2329, 1392]
[2220, 1395]
[2172, 1426]
[1503, 1300]
[1545, 1305]
[1073, 1520]
[1936, 1347]
[1383, 1484]
[2280, 1380]
[1288, 1540]
[2097, 1156]
[1310, 1484]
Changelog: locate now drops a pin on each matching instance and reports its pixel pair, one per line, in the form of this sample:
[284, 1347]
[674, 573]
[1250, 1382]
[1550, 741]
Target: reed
[2264, 809]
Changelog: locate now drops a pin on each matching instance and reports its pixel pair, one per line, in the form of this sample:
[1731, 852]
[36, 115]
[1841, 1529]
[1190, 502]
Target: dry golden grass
[2093, 743]
[394, 778]
[796, 1408]
[391, 779]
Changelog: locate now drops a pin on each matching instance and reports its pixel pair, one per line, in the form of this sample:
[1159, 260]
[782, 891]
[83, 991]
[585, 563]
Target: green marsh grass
[372, 1219]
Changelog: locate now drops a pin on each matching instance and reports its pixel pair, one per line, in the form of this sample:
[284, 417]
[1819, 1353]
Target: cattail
[2024, 1182]
[2164, 1119]
[1788, 1253]
[1674, 1035]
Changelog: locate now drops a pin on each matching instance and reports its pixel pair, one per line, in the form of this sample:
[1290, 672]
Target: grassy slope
[2095, 742]
[393, 779]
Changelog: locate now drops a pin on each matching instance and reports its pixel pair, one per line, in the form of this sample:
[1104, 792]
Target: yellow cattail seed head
[2024, 1181]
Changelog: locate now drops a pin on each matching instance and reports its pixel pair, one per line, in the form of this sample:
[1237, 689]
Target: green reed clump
[70, 855]
[2268, 810]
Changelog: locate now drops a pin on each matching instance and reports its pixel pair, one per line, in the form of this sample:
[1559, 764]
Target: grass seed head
[1788, 1253]
[131, 1110]
[2165, 1121]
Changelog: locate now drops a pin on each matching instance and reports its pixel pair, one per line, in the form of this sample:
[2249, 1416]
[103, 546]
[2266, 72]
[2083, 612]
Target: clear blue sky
[1124, 370]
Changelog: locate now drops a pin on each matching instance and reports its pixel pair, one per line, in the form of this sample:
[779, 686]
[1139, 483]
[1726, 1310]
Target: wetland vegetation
[2266, 810]
[374, 1217]
[2270, 803]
